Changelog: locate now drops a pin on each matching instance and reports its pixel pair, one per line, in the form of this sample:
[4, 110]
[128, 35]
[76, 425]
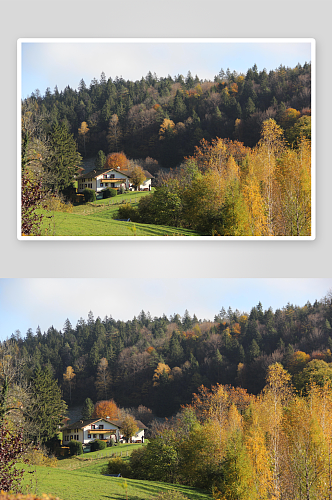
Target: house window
[101, 184]
[93, 426]
[90, 185]
[105, 176]
[101, 436]
[112, 176]
[89, 436]
[101, 427]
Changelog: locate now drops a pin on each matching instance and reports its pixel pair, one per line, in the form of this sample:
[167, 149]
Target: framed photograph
[200, 139]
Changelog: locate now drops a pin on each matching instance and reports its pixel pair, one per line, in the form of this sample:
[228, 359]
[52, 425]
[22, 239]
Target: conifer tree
[100, 160]
[87, 409]
[47, 408]
[64, 161]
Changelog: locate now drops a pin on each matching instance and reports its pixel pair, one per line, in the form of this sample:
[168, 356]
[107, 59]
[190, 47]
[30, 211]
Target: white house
[114, 178]
[86, 431]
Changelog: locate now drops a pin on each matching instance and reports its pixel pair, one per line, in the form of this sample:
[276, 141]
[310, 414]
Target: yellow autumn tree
[69, 379]
[167, 127]
[162, 371]
[297, 362]
[320, 399]
[255, 443]
[269, 149]
[277, 392]
[305, 451]
[129, 427]
[218, 156]
[232, 169]
[83, 133]
[294, 179]
[255, 202]
[137, 176]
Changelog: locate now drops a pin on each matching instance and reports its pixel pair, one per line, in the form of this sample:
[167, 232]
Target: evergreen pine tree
[87, 409]
[100, 160]
[64, 161]
[47, 408]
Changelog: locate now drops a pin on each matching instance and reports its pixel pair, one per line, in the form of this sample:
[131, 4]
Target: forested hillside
[230, 157]
[160, 362]
[166, 117]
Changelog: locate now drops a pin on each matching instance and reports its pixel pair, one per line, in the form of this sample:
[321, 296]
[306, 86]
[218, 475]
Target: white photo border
[312, 42]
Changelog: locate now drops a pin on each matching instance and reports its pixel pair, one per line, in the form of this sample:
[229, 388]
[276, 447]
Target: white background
[174, 18]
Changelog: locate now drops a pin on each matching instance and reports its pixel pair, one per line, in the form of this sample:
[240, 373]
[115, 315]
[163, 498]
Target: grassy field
[80, 478]
[96, 219]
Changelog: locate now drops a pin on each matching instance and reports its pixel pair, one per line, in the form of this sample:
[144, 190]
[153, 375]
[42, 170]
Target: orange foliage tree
[116, 160]
[105, 409]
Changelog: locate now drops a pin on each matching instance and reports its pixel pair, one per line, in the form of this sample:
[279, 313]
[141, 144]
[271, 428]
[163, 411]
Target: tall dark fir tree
[64, 161]
[47, 408]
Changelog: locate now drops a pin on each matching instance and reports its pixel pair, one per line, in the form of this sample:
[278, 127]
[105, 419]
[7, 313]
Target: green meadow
[81, 478]
[97, 219]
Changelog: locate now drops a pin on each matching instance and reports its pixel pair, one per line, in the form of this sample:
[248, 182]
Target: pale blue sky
[27, 303]
[47, 64]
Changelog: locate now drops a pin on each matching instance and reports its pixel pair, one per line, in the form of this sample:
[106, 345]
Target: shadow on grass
[142, 490]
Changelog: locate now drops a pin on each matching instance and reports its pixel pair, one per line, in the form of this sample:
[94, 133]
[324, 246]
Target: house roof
[80, 424]
[92, 174]
[141, 425]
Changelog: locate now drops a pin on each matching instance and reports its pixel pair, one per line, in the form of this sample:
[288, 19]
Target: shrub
[56, 204]
[109, 193]
[128, 212]
[98, 445]
[118, 466]
[137, 464]
[89, 195]
[75, 447]
[38, 456]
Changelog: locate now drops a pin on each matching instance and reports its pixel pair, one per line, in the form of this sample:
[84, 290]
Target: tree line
[160, 362]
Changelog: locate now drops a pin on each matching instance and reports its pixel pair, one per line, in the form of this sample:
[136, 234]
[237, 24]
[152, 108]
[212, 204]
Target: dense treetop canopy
[166, 117]
[160, 362]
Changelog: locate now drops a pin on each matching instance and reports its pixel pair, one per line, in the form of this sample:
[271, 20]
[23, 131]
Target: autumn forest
[229, 157]
[247, 396]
